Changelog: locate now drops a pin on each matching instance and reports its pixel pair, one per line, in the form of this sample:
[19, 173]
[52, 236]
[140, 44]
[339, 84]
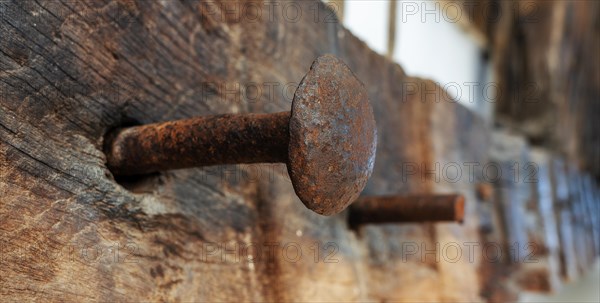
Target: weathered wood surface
[544, 218]
[544, 56]
[70, 71]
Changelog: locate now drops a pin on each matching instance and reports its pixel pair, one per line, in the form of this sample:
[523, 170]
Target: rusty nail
[328, 140]
[405, 209]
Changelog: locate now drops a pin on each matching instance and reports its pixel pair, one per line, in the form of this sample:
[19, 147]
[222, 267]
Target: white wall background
[429, 43]
[368, 20]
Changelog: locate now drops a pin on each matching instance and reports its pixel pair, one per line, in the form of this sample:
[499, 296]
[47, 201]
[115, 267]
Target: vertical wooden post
[391, 29]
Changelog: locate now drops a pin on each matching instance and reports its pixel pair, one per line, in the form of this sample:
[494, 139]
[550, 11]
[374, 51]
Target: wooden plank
[563, 216]
[73, 70]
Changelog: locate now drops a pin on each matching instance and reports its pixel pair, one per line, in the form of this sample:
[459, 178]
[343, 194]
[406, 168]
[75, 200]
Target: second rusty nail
[407, 209]
[328, 140]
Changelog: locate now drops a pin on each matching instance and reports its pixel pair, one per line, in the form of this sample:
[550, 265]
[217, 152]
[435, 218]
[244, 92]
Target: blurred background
[531, 70]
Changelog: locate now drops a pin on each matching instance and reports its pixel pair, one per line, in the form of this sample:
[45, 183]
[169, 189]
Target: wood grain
[70, 71]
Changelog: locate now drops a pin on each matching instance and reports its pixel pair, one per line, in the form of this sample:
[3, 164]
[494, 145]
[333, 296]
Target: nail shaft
[404, 209]
[202, 141]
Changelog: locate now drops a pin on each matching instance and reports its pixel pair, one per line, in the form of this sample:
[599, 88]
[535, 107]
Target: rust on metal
[333, 137]
[405, 209]
[328, 140]
[201, 141]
